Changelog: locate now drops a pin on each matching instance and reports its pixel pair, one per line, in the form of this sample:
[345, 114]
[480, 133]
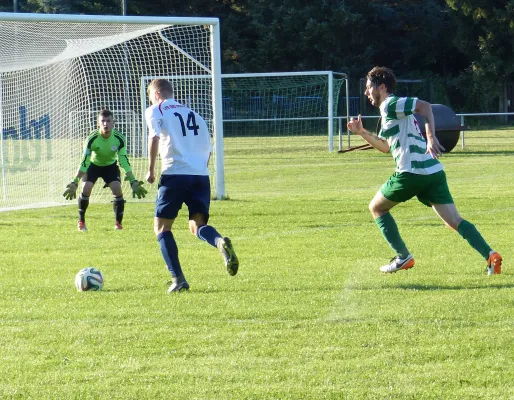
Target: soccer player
[103, 149]
[182, 138]
[418, 170]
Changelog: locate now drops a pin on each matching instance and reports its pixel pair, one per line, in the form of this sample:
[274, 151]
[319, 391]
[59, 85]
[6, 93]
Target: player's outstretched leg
[470, 233]
[224, 245]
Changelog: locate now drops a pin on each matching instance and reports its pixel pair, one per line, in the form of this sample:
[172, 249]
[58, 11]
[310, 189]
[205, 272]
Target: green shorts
[429, 189]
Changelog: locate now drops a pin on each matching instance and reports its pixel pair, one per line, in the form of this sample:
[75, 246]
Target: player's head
[105, 121]
[380, 82]
[159, 90]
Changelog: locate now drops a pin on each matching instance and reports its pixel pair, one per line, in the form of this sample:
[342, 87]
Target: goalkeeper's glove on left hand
[138, 189]
[71, 191]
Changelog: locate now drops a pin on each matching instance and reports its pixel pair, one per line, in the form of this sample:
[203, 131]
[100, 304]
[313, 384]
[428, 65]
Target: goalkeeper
[103, 149]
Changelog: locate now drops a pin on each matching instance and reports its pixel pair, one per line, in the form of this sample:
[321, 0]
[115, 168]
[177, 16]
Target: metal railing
[462, 123]
[462, 116]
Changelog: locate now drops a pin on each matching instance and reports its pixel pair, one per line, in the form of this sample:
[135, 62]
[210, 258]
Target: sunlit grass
[308, 316]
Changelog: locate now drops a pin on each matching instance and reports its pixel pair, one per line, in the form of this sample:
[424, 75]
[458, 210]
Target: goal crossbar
[109, 19]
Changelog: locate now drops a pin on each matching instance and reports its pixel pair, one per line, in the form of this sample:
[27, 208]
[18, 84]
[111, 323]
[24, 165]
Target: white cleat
[398, 264]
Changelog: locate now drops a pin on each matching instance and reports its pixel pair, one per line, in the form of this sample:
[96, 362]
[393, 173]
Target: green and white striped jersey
[400, 129]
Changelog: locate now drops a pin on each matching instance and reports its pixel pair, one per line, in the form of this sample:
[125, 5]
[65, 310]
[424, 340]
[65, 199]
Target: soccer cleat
[81, 226]
[178, 285]
[494, 264]
[118, 227]
[229, 255]
[397, 264]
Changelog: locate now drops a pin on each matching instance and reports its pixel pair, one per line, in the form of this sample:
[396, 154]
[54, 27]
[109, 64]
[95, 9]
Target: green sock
[390, 232]
[468, 231]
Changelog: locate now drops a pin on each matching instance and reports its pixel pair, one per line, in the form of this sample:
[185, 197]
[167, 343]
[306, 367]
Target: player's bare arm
[355, 125]
[79, 175]
[434, 148]
[153, 150]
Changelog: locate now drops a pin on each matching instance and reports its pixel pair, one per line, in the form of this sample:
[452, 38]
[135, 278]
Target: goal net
[272, 110]
[58, 71]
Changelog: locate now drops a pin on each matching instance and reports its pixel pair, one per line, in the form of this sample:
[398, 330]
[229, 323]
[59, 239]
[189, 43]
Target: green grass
[308, 316]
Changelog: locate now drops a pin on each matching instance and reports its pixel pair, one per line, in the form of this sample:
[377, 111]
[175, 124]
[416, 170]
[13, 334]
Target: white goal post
[58, 71]
[285, 104]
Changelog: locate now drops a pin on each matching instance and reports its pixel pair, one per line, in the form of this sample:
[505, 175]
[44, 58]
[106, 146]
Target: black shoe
[229, 255]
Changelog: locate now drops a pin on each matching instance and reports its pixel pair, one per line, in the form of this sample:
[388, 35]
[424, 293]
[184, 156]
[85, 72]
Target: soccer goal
[58, 71]
[271, 111]
[285, 109]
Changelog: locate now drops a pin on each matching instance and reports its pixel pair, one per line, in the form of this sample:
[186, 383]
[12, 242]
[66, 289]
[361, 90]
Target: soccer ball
[89, 279]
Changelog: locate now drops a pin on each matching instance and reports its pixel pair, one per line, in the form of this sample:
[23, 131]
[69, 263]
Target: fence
[462, 122]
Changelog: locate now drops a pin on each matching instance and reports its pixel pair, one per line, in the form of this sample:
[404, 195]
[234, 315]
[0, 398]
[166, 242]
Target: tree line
[464, 48]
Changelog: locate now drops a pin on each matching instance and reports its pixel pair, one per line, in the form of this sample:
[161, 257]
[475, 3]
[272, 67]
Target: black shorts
[109, 173]
[175, 190]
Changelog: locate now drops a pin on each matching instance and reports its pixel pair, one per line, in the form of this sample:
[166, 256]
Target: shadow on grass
[452, 287]
[484, 152]
[430, 287]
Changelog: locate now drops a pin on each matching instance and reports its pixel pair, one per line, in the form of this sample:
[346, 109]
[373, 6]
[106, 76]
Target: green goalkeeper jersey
[103, 152]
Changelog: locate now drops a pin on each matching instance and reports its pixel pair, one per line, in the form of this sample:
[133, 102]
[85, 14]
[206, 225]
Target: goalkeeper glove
[138, 189]
[71, 191]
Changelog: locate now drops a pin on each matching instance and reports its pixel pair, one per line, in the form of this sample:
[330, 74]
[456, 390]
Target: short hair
[162, 86]
[383, 75]
[105, 114]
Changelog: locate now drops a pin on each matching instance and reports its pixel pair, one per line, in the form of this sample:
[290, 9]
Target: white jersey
[185, 140]
[401, 131]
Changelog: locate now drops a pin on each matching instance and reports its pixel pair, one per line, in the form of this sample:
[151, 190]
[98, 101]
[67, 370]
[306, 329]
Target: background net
[54, 79]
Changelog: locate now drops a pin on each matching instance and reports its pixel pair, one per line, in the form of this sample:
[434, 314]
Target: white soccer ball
[89, 279]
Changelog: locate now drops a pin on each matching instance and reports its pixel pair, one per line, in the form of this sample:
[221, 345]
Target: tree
[485, 30]
[468, 45]
[73, 7]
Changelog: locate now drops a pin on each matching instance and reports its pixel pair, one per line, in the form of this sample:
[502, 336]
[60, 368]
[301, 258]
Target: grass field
[308, 316]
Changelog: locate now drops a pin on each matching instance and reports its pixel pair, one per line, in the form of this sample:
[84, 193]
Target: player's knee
[159, 227]
[374, 208]
[371, 207]
[193, 227]
[86, 190]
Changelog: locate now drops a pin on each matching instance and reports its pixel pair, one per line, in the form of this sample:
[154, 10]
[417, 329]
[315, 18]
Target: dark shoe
[229, 255]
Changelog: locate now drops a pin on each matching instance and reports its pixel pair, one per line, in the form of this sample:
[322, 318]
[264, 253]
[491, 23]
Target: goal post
[287, 105]
[58, 71]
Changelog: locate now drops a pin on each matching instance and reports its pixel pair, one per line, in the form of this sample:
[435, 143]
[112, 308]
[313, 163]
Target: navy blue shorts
[175, 190]
[109, 173]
